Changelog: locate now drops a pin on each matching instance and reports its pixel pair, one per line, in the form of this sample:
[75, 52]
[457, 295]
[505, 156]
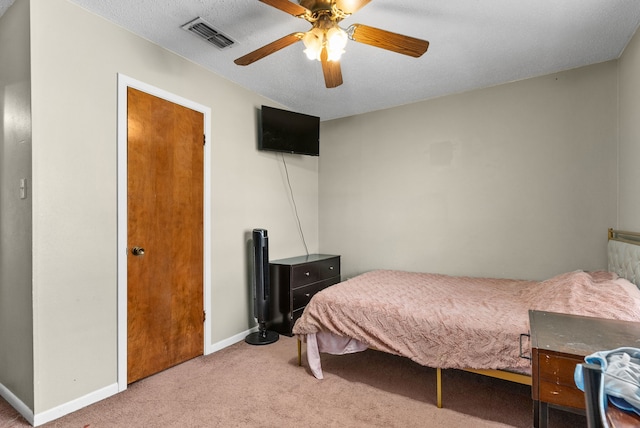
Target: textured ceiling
[473, 44]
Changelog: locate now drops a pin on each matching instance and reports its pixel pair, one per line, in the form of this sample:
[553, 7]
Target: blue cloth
[620, 378]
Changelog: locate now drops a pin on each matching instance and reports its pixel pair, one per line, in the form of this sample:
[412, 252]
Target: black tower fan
[262, 286]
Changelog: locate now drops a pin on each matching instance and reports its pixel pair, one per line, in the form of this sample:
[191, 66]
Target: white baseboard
[94, 397]
[77, 404]
[229, 341]
[16, 403]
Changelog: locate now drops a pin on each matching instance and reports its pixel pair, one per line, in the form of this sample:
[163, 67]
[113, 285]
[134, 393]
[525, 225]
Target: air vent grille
[205, 31]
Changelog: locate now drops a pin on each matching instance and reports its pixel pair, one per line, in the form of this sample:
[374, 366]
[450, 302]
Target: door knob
[137, 251]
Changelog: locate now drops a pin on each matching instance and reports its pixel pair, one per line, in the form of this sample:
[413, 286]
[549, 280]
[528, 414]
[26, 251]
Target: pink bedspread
[459, 322]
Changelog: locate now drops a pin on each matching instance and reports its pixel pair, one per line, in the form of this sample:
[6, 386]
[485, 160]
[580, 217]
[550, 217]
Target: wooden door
[165, 309]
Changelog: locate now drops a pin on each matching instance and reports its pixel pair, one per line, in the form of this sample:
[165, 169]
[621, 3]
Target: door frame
[125, 82]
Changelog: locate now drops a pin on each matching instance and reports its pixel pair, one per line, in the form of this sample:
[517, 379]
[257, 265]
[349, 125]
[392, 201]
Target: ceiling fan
[326, 40]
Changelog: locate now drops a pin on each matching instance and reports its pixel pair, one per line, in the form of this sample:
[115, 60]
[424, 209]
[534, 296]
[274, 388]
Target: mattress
[457, 322]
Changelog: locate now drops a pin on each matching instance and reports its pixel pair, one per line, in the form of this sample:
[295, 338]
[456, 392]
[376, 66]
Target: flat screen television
[289, 132]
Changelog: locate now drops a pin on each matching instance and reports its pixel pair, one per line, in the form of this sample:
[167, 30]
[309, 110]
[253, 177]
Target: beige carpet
[262, 386]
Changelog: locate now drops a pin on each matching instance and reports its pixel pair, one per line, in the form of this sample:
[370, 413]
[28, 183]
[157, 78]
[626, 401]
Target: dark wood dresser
[558, 343]
[293, 282]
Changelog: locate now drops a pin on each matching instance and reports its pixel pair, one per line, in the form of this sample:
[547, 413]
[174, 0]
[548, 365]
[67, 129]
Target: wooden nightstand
[558, 343]
[294, 281]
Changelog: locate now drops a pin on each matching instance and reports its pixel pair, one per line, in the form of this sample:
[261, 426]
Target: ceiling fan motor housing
[316, 5]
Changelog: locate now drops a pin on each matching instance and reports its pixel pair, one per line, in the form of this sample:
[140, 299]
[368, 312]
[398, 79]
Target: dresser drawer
[294, 281]
[302, 295]
[562, 395]
[556, 382]
[313, 272]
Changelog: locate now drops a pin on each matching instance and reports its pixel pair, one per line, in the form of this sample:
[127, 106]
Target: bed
[474, 324]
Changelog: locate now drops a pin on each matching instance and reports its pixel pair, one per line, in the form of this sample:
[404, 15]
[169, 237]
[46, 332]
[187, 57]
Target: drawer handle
[330, 267]
[306, 273]
[527, 357]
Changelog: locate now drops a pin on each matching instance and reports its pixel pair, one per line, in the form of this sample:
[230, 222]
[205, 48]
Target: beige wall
[629, 122]
[75, 58]
[16, 314]
[517, 180]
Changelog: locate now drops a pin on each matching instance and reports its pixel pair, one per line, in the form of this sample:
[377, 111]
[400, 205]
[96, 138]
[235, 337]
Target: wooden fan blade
[272, 47]
[288, 7]
[331, 70]
[351, 6]
[387, 40]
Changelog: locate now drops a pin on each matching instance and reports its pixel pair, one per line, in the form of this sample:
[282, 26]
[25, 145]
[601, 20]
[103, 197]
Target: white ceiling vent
[204, 30]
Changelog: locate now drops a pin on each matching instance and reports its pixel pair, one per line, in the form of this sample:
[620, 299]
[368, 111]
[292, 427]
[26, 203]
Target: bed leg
[439, 388]
[299, 352]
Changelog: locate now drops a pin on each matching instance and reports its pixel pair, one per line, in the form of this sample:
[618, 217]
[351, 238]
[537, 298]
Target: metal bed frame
[624, 236]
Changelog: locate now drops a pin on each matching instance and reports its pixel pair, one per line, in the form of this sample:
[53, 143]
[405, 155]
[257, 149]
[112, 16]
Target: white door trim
[125, 82]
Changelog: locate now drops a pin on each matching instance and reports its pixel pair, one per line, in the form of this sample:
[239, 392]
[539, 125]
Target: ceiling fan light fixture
[313, 41]
[336, 42]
